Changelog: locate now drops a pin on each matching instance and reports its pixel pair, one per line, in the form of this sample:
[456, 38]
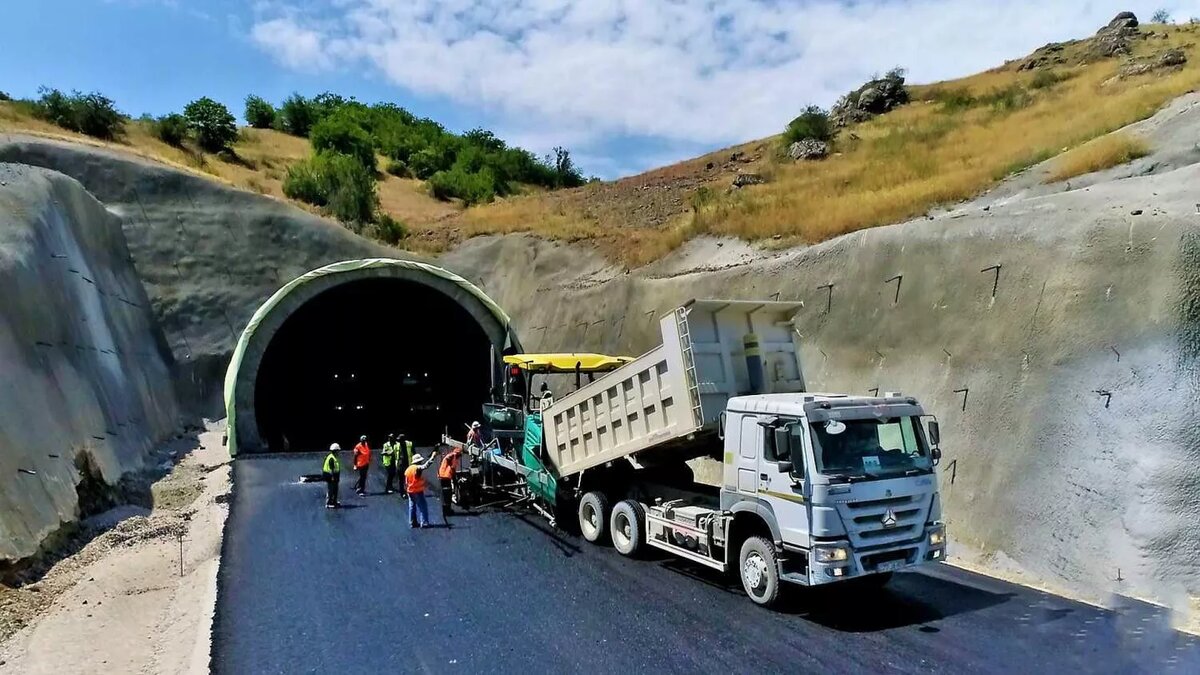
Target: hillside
[954, 140]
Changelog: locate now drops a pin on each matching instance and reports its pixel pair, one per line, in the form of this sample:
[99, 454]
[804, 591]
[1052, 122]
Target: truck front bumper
[837, 561]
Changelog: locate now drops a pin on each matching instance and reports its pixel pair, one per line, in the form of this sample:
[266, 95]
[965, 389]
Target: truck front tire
[593, 516]
[758, 567]
[627, 527]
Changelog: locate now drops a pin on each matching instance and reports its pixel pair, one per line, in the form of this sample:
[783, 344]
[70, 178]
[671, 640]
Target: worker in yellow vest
[391, 461]
[404, 456]
[331, 471]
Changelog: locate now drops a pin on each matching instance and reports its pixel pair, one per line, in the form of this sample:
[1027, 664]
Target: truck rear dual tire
[758, 567]
[627, 527]
[593, 516]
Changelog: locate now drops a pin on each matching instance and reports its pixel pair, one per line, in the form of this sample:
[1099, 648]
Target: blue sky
[626, 84]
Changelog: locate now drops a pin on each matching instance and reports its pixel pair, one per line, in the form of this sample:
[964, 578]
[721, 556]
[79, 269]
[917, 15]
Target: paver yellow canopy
[247, 356]
[567, 363]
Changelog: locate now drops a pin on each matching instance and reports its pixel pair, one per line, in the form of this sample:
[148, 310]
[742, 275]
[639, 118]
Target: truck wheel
[759, 569]
[627, 528]
[593, 516]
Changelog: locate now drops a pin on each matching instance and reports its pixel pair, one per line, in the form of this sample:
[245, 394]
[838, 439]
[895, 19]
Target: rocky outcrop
[808, 149]
[1114, 39]
[87, 387]
[873, 98]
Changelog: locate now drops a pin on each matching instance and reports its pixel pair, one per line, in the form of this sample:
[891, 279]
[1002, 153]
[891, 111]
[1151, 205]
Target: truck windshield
[870, 448]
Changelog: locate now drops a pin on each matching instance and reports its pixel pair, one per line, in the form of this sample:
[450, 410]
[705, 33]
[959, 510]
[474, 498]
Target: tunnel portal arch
[241, 378]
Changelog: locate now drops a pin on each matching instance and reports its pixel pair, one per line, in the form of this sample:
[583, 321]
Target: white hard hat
[418, 458]
[474, 425]
[335, 447]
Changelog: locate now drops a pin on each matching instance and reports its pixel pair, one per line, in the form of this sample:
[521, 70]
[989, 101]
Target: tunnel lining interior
[476, 314]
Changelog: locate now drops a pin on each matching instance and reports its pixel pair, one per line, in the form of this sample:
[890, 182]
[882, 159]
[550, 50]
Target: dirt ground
[120, 602]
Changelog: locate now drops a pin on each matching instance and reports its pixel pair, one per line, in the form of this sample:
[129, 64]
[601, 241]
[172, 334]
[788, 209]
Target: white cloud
[696, 71]
[296, 47]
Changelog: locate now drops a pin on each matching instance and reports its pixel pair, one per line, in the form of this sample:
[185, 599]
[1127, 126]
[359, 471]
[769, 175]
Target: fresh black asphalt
[354, 590]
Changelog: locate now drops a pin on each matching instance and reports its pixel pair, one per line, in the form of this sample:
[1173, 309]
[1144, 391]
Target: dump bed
[668, 398]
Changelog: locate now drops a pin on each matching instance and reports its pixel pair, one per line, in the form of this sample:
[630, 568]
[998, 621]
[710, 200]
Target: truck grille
[881, 522]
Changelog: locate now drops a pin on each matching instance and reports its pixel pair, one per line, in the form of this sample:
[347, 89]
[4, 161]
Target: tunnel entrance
[373, 346]
[374, 357]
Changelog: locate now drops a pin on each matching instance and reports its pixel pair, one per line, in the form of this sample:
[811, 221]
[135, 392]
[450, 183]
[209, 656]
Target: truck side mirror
[935, 433]
[786, 467]
[936, 454]
[783, 444]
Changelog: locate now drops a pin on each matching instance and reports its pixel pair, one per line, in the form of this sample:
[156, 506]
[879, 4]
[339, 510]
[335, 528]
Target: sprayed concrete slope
[1068, 399]
[208, 254]
[86, 388]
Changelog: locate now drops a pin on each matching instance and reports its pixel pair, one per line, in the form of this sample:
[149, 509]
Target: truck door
[783, 485]
[750, 440]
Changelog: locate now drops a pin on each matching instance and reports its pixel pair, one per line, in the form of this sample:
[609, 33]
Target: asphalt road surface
[306, 589]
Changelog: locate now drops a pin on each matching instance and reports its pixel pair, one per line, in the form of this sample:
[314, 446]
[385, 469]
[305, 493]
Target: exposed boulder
[873, 98]
[1170, 59]
[1121, 21]
[808, 149]
[1113, 39]
[743, 179]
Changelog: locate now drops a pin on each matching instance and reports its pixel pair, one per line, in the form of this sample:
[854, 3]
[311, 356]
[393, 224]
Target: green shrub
[1045, 79]
[399, 169]
[338, 183]
[813, 123]
[341, 134]
[954, 98]
[388, 229]
[471, 188]
[297, 115]
[171, 129]
[259, 113]
[93, 114]
[4, 96]
[1008, 99]
[425, 162]
[215, 127]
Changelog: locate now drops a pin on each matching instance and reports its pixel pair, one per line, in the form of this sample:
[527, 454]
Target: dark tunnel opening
[374, 357]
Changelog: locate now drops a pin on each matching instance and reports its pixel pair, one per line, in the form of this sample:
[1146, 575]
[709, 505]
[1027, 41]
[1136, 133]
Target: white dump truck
[814, 488]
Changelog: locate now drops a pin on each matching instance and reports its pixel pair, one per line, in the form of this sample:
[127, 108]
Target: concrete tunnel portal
[364, 347]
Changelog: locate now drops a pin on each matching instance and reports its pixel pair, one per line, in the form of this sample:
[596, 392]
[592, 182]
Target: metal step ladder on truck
[815, 488]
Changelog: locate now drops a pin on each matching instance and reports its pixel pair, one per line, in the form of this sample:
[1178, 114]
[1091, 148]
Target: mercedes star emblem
[889, 518]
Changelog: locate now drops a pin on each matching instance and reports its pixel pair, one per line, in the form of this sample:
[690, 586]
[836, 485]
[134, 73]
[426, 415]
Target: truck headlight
[830, 554]
[937, 536]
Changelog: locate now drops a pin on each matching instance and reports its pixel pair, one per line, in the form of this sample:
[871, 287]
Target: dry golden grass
[901, 165]
[956, 140]
[1096, 155]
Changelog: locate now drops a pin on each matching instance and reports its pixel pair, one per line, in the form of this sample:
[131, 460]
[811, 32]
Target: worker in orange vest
[414, 485]
[446, 473]
[362, 462]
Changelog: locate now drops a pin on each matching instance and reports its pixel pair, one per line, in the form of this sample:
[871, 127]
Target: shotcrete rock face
[376, 348]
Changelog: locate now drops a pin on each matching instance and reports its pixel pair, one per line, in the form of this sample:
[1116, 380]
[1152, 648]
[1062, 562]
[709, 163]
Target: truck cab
[845, 485]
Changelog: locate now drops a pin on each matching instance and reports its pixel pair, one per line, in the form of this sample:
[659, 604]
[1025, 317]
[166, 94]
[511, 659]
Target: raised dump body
[669, 399]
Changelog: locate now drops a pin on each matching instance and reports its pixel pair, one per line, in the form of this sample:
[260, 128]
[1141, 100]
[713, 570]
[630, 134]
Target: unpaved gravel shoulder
[120, 604]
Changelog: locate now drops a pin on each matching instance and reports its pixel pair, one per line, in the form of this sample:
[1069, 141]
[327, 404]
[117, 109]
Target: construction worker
[475, 436]
[446, 471]
[331, 471]
[414, 485]
[403, 458]
[362, 462]
[391, 458]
